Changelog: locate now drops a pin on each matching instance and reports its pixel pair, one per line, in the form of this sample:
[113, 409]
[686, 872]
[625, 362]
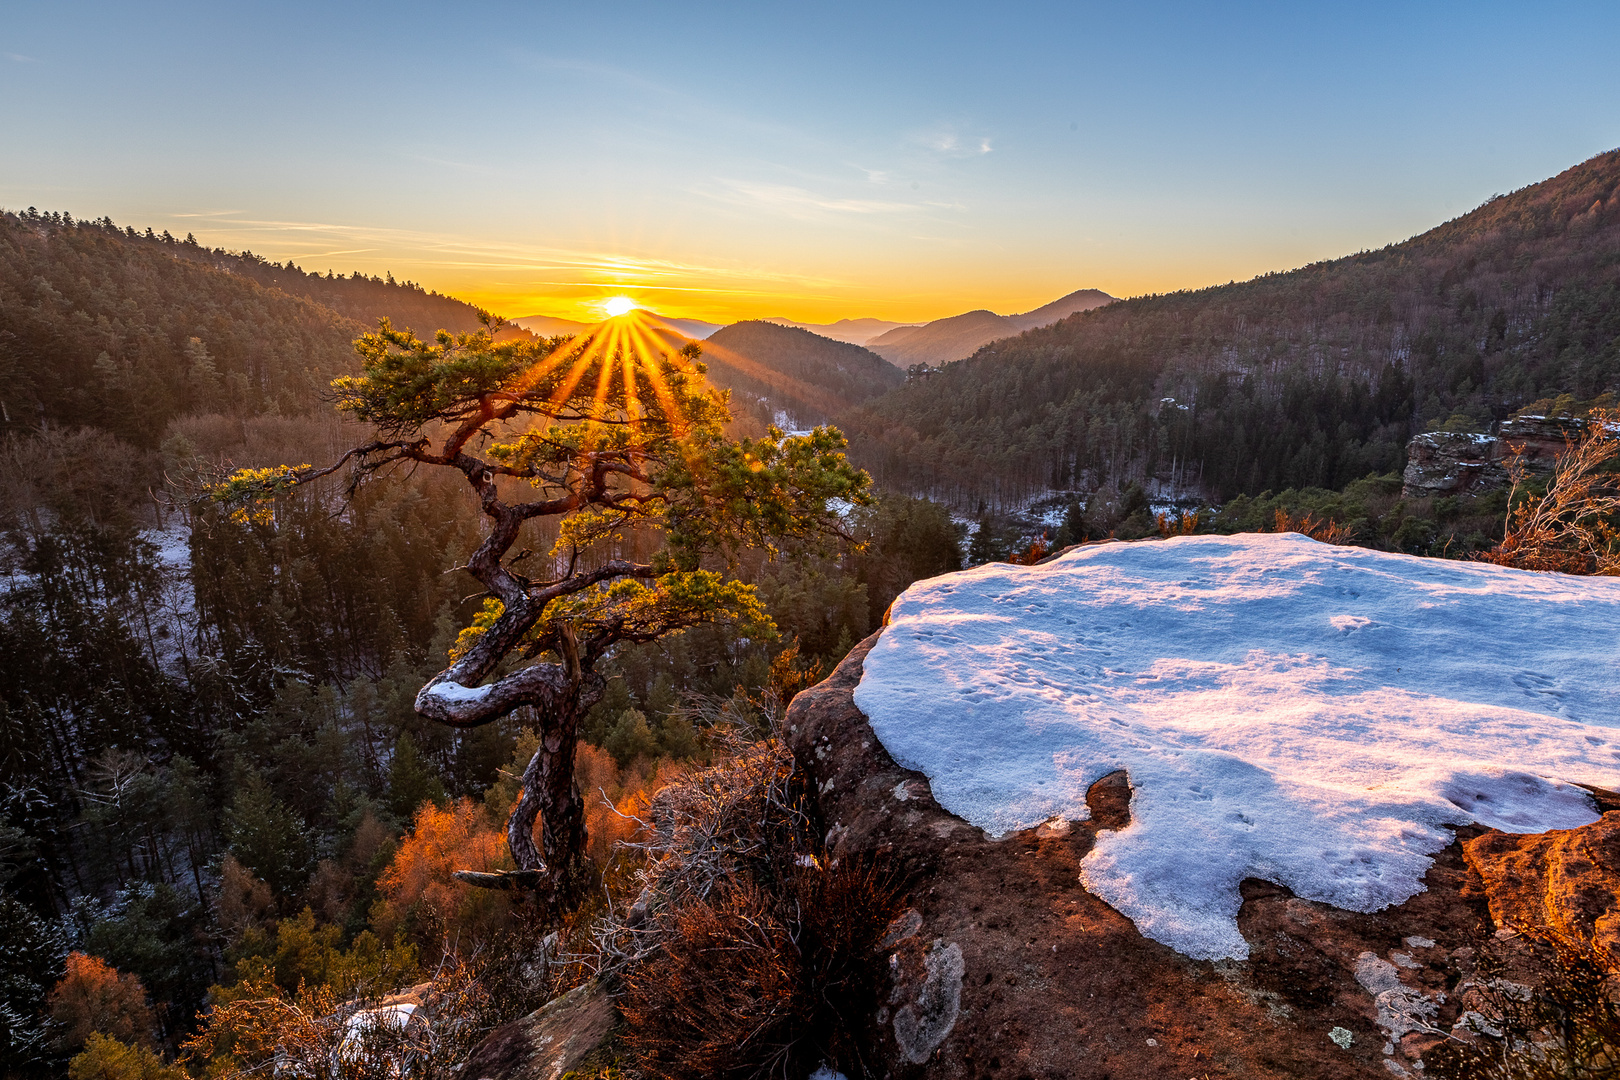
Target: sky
[808, 161]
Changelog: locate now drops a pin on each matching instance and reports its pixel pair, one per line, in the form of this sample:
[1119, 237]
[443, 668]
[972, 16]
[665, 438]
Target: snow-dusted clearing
[1311, 715]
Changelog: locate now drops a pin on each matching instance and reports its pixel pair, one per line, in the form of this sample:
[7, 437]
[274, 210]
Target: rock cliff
[1456, 463]
[1005, 966]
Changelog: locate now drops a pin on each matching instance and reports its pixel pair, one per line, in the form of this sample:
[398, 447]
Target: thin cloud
[19, 58]
[538, 264]
[950, 143]
[799, 200]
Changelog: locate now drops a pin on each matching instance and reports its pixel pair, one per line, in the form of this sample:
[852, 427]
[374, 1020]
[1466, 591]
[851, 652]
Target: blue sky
[814, 161]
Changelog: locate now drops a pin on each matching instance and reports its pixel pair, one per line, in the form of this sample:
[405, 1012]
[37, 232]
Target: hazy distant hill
[549, 325]
[853, 331]
[1315, 376]
[944, 340]
[810, 377]
[696, 329]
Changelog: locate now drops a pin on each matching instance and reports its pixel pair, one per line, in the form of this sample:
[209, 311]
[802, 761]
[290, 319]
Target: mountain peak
[960, 336]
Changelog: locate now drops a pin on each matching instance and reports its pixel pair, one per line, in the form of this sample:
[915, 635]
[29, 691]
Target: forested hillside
[214, 786]
[104, 327]
[1313, 377]
[810, 377]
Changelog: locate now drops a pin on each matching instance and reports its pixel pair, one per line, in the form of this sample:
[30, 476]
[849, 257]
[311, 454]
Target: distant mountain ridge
[809, 377]
[776, 374]
[853, 331]
[1311, 377]
[960, 336]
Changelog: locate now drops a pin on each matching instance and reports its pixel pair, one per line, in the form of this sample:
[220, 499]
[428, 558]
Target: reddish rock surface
[1567, 880]
[1009, 969]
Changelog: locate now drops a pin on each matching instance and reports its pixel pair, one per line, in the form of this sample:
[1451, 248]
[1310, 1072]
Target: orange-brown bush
[1569, 528]
[93, 998]
[747, 953]
[244, 902]
[338, 885]
[765, 978]
[1327, 531]
[615, 799]
[1184, 525]
[1037, 550]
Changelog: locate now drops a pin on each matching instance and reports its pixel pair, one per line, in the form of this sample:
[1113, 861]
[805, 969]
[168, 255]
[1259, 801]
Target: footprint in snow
[1532, 682]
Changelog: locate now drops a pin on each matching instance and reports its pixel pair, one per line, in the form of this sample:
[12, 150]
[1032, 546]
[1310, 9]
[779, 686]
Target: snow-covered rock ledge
[1309, 715]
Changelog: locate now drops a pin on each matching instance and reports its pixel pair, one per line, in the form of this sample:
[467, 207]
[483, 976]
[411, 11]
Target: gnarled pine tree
[622, 446]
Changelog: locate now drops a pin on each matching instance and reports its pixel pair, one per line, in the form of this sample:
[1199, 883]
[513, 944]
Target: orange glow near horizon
[576, 281]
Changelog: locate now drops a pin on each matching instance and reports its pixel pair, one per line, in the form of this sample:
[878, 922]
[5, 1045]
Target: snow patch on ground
[1315, 716]
[176, 614]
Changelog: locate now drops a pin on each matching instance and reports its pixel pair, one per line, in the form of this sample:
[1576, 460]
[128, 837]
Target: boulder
[553, 1040]
[1005, 966]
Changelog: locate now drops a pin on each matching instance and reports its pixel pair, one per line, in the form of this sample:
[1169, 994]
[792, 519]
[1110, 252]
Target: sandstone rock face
[1005, 967]
[549, 1042]
[1448, 463]
[1443, 463]
[1567, 880]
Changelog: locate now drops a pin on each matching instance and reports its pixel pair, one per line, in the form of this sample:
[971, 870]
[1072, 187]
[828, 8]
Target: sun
[619, 305]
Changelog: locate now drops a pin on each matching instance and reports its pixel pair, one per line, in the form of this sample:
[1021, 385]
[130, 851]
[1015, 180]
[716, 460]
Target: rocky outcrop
[548, 1043]
[1447, 463]
[1456, 463]
[1567, 881]
[1004, 966]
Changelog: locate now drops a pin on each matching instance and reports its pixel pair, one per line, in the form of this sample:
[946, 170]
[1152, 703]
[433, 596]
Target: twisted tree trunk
[551, 795]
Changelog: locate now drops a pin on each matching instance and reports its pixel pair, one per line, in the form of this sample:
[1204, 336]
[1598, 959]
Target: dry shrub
[1185, 525]
[1038, 549]
[764, 979]
[266, 1031]
[1565, 1027]
[1327, 531]
[615, 800]
[337, 884]
[1567, 529]
[244, 902]
[93, 998]
[747, 954]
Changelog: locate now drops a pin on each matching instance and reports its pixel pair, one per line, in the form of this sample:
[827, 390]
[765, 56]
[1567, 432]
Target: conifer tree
[622, 449]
